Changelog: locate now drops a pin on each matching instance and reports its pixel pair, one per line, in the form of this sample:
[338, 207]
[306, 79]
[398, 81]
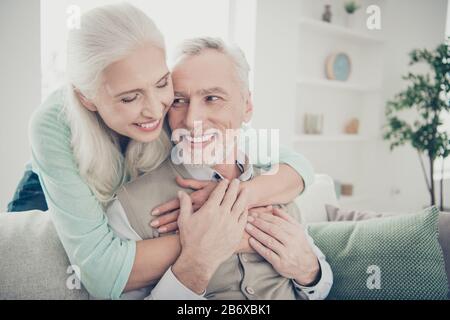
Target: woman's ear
[88, 104]
[248, 113]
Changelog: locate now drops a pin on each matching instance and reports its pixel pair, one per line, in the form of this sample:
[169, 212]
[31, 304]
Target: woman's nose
[153, 108]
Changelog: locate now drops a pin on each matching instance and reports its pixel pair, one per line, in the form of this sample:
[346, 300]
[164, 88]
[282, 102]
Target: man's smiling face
[207, 93]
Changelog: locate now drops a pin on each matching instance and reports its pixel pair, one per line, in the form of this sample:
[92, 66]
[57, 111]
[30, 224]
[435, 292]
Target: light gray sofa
[34, 265]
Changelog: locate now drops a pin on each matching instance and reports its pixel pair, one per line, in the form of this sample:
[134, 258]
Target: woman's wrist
[249, 186]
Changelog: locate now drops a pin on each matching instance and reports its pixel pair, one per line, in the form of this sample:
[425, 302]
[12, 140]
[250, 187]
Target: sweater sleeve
[295, 160]
[104, 260]
[299, 163]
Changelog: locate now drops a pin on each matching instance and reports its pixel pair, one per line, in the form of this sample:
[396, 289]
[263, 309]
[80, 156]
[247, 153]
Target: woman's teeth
[148, 125]
[200, 139]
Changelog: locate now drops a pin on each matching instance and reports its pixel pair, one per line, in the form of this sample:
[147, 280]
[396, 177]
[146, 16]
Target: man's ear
[88, 104]
[248, 113]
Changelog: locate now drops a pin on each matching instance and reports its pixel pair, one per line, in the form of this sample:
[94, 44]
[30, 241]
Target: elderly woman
[106, 128]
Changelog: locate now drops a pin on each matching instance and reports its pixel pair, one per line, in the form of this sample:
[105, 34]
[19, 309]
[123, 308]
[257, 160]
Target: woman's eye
[129, 99]
[212, 98]
[164, 84]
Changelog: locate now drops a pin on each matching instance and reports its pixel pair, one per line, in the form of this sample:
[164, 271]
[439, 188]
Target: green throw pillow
[387, 258]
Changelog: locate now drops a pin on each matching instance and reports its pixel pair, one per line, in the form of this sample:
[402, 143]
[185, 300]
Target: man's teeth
[200, 139]
[148, 125]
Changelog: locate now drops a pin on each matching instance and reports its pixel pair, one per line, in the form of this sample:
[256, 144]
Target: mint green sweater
[105, 261]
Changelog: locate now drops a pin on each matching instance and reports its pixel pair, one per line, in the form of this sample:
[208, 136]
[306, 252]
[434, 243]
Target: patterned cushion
[396, 257]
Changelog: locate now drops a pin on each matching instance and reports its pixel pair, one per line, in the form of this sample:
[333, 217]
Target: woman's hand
[282, 241]
[168, 212]
[211, 235]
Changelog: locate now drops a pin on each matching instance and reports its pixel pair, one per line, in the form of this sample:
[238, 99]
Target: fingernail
[249, 226]
[154, 223]
[253, 214]
[250, 218]
[162, 229]
[155, 212]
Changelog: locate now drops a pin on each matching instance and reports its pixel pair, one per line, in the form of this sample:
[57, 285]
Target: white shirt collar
[208, 173]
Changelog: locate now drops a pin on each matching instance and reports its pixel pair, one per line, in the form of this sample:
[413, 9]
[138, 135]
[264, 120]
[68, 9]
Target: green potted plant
[351, 6]
[429, 96]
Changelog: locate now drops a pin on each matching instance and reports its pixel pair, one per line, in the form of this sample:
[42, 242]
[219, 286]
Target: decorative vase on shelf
[352, 126]
[338, 66]
[313, 123]
[326, 16]
[347, 189]
[351, 6]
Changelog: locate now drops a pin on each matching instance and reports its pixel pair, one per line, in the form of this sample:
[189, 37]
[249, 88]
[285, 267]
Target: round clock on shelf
[338, 66]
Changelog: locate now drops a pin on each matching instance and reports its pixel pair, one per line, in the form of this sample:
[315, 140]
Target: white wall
[20, 87]
[406, 24]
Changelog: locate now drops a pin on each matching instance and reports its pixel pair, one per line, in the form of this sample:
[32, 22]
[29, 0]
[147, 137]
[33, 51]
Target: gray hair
[109, 33]
[195, 46]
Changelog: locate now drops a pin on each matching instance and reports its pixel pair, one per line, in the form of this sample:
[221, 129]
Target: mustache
[182, 133]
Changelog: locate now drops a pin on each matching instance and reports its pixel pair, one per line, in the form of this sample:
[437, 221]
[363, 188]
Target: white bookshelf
[331, 138]
[319, 26]
[345, 157]
[335, 84]
[353, 200]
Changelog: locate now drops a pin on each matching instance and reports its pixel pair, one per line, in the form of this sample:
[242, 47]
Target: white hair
[107, 34]
[195, 46]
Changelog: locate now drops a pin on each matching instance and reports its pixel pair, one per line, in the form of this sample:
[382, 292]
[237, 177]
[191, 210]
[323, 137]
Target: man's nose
[195, 114]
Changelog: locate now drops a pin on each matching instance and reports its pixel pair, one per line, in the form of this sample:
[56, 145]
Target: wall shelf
[335, 84]
[330, 138]
[351, 200]
[340, 31]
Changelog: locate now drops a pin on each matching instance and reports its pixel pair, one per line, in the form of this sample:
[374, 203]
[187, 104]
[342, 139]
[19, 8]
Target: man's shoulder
[291, 209]
[164, 174]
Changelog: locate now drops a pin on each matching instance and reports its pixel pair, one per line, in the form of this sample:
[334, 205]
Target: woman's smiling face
[135, 94]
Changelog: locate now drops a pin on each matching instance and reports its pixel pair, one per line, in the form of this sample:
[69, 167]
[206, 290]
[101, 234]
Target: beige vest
[242, 276]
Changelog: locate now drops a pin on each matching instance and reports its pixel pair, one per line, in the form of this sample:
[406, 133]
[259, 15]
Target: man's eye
[179, 101]
[129, 99]
[212, 98]
[164, 84]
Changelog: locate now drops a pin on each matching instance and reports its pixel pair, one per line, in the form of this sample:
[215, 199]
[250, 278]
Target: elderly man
[274, 258]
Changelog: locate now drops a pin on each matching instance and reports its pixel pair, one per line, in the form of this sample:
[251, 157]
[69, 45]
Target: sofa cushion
[444, 241]
[34, 264]
[311, 202]
[396, 257]
[339, 214]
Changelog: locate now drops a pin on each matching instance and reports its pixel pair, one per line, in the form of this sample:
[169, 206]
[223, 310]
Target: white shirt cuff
[322, 288]
[170, 288]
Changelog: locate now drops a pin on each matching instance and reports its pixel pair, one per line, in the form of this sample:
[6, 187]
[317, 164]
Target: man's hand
[211, 235]
[282, 241]
[244, 246]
